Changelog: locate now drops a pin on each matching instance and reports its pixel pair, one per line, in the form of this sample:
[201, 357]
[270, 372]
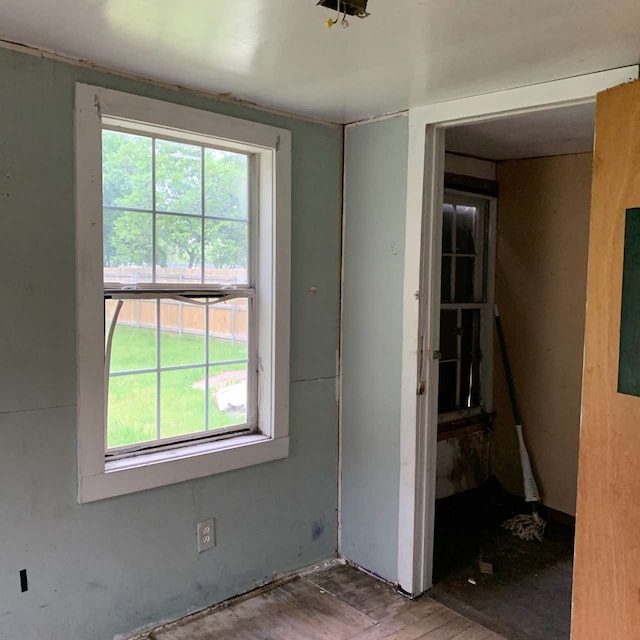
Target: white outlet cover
[206, 535]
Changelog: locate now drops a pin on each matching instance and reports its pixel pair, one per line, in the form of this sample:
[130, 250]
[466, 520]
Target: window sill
[456, 428]
[151, 470]
[460, 415]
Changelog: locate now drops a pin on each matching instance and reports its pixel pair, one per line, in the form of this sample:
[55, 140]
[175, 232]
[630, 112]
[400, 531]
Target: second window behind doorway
[468, 249]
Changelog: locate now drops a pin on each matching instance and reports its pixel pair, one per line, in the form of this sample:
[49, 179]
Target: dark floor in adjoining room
[528, 596]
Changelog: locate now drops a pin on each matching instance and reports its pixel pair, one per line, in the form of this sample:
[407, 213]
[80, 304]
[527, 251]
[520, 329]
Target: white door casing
[421, 293]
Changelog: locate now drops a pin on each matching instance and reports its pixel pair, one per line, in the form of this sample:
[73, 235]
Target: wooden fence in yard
[227, 320]
[176, 275]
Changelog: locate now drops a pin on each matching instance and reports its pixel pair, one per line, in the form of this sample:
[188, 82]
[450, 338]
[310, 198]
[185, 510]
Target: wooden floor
[338, 603]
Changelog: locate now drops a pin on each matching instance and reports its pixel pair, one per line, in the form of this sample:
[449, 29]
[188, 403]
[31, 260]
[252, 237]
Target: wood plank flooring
[338, 603]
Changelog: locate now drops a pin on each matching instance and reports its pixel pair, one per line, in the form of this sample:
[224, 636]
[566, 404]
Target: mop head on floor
[526, 527]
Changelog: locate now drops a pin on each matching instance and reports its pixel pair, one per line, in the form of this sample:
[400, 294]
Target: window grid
[154, 212]
[202, 243]
[207, 366]
[479, 234]
[159, 369]
[154, 239]
[112, 207]
[203, 216]
[176, 367]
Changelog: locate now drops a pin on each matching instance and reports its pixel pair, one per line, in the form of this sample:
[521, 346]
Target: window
[183, 232]
[466, 309]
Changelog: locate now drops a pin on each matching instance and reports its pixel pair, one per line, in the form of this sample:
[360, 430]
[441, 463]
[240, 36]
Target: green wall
[106, 568]
[375, 203]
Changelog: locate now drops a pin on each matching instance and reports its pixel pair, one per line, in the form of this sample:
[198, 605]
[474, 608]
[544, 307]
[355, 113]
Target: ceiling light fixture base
[356, 8]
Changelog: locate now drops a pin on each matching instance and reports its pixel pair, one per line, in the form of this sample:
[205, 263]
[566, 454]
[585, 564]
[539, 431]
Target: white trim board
[421, 292]
[468, 166]
[557, 93]
[98, 477]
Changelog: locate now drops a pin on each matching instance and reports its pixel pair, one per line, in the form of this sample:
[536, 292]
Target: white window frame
[97, 477]
[484, 277]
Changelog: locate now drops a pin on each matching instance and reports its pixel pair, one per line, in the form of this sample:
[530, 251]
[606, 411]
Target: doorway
[423, 228]
[423, 222]
[515, 221]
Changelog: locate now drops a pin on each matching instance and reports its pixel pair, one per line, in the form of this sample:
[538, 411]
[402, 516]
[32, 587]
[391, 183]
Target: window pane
[133, 346]
[470, 359]
[447, 387]
[223, 276]
[182, 333]
[465, 227]
[449, 335]
[127, 246]
[171, 240]
[178, 249]
[445, 292]
[470, 333]
[182, 402]
[465, 275]
[227, 248]
[447, 228]
[178, 177]
[228, 389]
[226, 184]
[126, 170]
[470, 379]
[132, 409]
[228, 330]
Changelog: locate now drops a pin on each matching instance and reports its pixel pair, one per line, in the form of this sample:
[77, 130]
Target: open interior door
[606, 595]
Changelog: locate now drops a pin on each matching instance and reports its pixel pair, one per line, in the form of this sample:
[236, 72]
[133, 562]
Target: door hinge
[437, 355]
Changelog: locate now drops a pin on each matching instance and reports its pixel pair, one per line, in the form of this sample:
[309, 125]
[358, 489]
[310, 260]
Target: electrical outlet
[206, 535]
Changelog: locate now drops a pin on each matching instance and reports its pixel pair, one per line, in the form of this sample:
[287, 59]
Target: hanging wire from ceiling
[357, 8]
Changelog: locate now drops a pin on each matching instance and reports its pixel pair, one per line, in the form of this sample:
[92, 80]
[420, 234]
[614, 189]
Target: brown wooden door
[606, 595]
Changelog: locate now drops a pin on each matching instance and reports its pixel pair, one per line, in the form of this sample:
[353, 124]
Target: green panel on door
[629, 368]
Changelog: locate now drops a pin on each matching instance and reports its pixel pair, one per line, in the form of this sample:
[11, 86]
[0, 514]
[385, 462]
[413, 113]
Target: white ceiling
[542, 133]
[277, 52]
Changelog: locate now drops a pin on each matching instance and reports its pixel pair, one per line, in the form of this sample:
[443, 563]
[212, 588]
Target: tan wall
[543, 218]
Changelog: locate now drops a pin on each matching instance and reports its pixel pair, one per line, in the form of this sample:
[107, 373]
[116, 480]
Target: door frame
[421, 293]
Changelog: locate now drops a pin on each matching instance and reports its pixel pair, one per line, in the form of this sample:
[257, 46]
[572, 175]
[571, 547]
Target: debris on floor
[527, 596]
[486, 567]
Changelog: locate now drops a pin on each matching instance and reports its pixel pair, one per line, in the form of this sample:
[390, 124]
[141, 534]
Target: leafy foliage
[179, 172]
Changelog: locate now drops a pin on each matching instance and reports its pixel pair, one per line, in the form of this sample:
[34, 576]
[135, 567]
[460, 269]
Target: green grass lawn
[133, 398]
